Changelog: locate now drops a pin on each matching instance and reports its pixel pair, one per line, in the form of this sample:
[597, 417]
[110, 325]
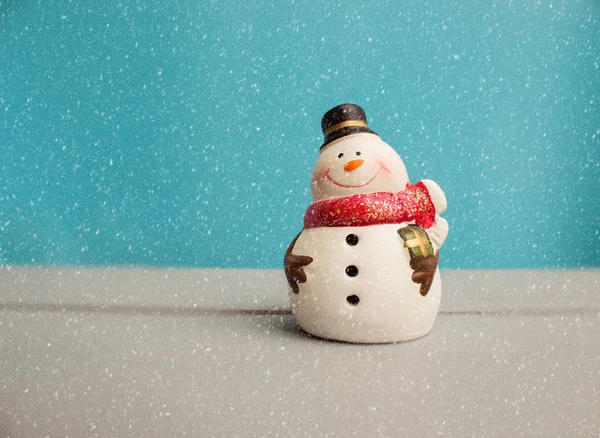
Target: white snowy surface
[166, 352]
[266, 289]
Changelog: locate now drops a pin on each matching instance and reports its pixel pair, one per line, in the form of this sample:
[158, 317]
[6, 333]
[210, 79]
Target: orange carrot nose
[353, 165]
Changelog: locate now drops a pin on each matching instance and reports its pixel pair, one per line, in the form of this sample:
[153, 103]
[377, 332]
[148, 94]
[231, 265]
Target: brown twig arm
[424, 268]
[292, 265]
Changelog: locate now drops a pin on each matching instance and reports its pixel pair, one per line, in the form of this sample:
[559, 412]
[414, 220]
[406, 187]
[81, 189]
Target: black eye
[340, 155]
[357, 153]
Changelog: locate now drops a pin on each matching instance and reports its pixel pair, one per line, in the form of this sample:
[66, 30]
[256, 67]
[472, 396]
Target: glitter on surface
[412, 204]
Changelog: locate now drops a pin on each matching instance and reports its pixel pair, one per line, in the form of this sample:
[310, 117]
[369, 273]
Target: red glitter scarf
[412, 204]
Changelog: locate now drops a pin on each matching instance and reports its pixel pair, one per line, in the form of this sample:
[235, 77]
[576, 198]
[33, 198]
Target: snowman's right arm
[438, 233]
[293, 264]
[437, 195]
[439, 230]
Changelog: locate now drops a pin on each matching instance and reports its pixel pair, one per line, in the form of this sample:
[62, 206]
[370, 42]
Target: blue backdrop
[184, 133]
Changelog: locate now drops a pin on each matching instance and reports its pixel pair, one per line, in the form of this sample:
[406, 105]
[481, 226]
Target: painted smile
[354, 187]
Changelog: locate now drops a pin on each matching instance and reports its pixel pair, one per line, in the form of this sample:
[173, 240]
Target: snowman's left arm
[293, 265]
[439, 230]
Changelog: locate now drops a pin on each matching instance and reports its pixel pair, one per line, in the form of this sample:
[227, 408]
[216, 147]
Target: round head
[357, 163]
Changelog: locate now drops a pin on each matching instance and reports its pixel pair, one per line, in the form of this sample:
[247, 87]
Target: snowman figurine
[364, 268]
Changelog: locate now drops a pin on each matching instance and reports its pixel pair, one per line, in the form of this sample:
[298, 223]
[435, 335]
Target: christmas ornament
[364, 267]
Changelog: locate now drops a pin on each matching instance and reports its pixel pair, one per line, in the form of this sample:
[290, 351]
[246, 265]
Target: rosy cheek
[320, 174]
[384, 167]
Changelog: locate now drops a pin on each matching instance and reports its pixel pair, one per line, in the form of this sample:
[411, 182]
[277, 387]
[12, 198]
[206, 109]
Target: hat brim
[344, 132]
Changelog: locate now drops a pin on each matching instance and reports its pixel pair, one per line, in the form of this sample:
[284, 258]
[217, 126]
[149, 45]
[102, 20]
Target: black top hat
[343, 120]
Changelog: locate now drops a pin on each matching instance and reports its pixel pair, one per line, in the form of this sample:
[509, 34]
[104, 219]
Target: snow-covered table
[210, 353]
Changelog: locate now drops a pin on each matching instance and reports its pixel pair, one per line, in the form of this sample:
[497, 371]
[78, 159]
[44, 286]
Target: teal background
[184, 133]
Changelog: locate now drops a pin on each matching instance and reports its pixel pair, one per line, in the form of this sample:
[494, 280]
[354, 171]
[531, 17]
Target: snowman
[364, 267]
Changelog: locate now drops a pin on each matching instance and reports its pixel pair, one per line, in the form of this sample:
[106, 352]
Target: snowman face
[357, 163]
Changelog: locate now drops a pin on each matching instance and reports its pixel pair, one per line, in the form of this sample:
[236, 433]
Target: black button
[353, 299]
[352, 271]
[352, 239]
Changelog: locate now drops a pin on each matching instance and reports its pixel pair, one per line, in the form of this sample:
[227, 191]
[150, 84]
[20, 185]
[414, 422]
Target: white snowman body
[379, 304]
[359, 285]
